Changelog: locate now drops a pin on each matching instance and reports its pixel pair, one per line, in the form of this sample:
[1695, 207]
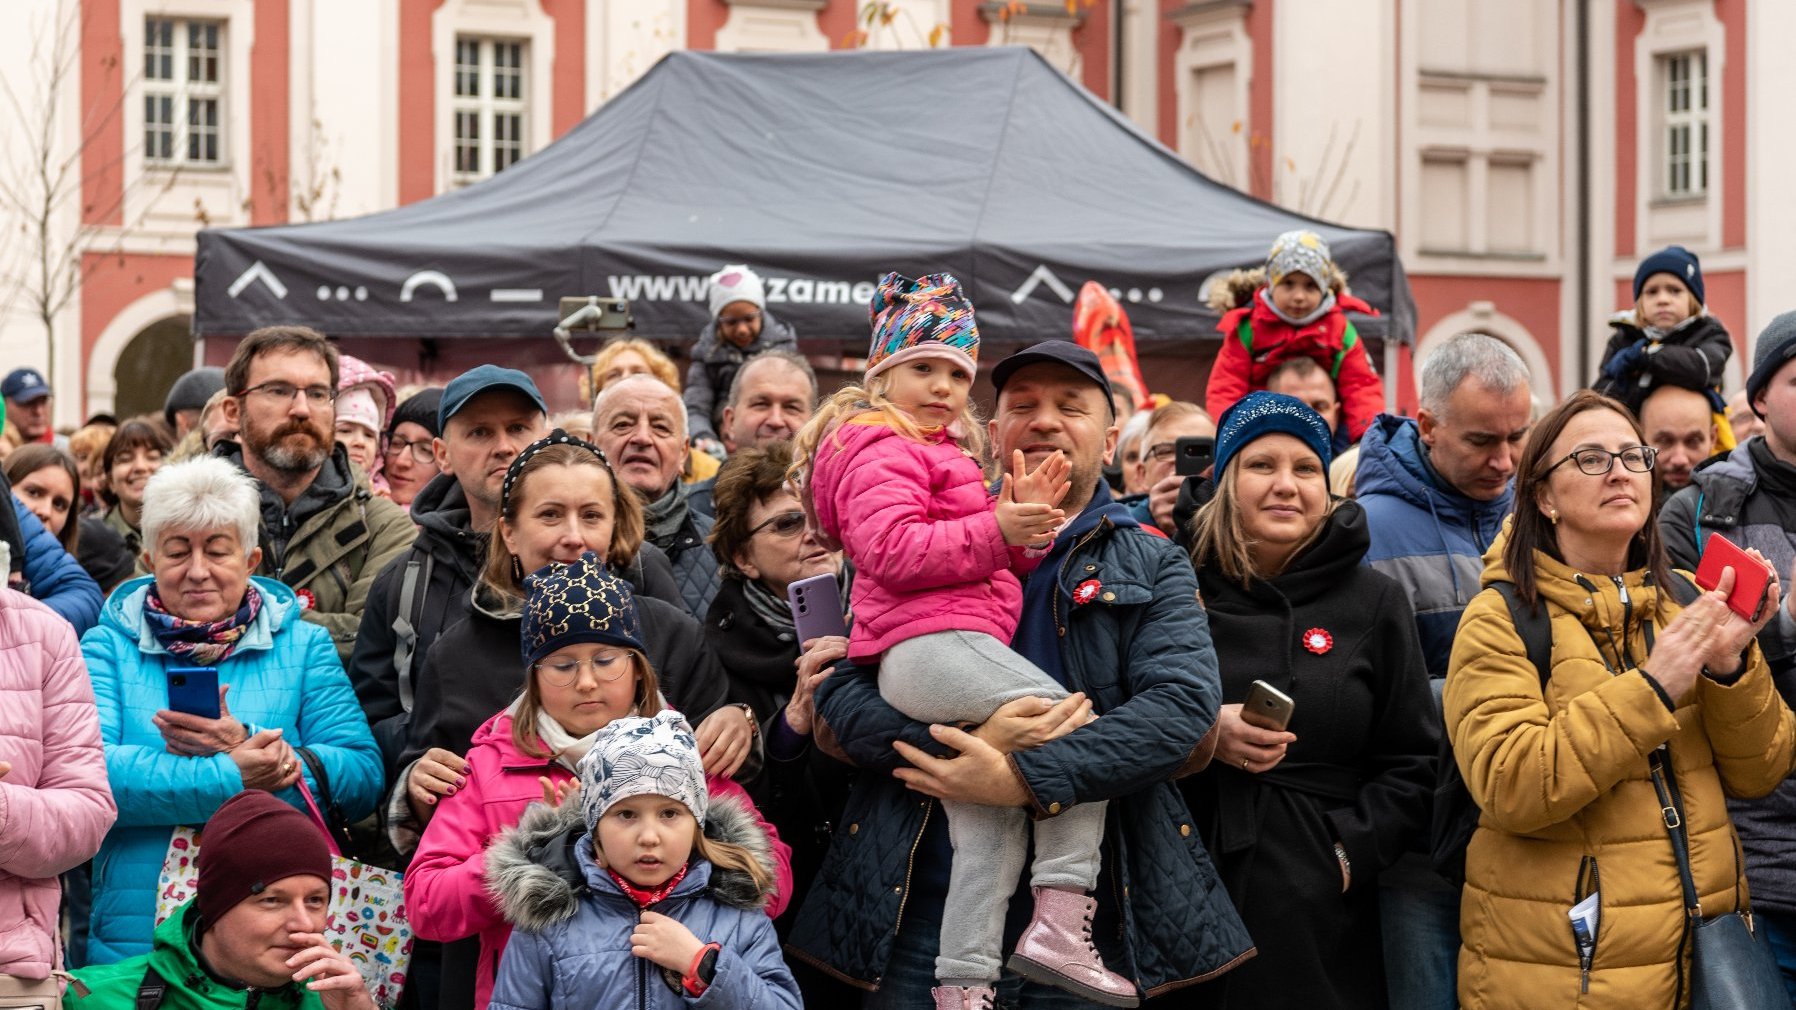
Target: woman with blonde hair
[1302, 818]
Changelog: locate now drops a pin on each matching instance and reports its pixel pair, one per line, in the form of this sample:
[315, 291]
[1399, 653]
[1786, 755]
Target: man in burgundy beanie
[252, 934]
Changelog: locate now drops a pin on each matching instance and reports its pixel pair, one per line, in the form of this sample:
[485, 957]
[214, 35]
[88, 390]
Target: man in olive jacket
[324, 533]
[1112, 612]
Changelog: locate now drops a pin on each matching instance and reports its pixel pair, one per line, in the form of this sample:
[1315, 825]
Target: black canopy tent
[821, 171]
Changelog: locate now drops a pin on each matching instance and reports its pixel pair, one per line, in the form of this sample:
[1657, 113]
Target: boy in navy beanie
[1667, 338]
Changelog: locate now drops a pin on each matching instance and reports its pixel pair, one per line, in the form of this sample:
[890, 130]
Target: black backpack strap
[152, 990]
[1682, 589]
[405, 627]
[1534, 627]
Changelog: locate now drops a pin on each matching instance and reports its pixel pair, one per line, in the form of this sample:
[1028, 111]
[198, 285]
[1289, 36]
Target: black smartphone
[1192, 455]
[193, 690]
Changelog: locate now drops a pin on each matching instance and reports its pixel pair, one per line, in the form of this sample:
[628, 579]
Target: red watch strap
[695, 986]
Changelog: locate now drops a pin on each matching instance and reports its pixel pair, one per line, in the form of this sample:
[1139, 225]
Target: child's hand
[557, 793]
[666, 942]
[1026, 524]
[1049, 483]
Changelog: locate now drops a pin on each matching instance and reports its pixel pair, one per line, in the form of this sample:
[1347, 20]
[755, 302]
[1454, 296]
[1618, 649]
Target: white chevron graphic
[1042, 275]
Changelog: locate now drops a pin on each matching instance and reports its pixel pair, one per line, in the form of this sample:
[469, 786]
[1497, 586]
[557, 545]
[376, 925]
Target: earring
[1552, 516]
[517, 569]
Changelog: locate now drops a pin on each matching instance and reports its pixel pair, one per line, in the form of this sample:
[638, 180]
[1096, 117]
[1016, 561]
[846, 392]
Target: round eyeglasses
[1597, 462]
[607, 668]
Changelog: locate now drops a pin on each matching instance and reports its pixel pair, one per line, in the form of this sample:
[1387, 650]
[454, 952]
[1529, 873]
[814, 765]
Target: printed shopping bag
[366, 921]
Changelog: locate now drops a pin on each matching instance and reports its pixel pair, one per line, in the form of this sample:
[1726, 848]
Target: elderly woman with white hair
[283, 702]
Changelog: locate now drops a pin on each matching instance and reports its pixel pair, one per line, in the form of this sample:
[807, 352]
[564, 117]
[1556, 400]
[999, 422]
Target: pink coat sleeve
[57, 822]
[445, 889]
[782, 853]
[883, 498]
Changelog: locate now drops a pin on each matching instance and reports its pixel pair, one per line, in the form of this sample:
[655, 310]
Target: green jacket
[342, 536]
[190, 987]
[115, 519]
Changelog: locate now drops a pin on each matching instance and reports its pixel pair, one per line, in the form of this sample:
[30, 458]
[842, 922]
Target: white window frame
[506, 20]
[1693, 219]
[181, 91]
[487, 109]
[1684, 131]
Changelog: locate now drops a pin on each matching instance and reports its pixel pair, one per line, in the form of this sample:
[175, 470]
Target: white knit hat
[736, 283]
[634, 756]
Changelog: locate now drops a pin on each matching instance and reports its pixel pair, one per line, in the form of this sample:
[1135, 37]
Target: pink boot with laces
[1057, 950]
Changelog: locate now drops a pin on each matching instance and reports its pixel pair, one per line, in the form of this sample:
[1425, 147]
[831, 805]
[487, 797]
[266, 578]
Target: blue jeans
[1781, 931]
[1419, 914]
[78, 903]
[910, 974]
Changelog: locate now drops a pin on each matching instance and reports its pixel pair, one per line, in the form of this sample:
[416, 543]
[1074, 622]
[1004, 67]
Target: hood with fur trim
[535, 876]
[1236, 289]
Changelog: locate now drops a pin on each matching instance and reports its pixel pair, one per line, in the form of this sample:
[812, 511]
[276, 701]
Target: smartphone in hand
[817, 607]
[1267, 707]
[194, 690]
[1752, 578]
[1192, 455]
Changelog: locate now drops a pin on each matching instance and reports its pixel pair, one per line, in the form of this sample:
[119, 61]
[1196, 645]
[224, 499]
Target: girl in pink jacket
[582, 645]
[55, 805]
[890, 470]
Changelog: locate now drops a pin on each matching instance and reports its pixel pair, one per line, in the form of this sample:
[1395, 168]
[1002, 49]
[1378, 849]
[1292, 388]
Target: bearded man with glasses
[324, 533]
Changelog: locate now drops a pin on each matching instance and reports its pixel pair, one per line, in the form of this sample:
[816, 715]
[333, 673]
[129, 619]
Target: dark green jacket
[190, 987]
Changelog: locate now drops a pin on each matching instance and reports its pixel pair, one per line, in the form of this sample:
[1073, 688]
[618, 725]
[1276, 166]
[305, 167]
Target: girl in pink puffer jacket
[890, 471]
[55, 806]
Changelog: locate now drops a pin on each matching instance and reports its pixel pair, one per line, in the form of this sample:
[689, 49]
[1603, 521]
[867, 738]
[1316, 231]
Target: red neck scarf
[648, 897]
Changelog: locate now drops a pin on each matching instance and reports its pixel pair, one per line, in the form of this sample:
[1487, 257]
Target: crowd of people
[1375, 711]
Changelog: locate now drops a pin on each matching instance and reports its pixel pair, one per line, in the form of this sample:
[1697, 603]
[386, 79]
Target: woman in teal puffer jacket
[282, 689]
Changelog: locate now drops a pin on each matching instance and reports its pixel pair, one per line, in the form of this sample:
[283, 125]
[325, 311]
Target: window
[182, 92]
[490, 106]
[1686, 152]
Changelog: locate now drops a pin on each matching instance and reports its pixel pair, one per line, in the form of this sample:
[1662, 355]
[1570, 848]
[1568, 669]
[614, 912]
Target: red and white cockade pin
[307, 599]
[1087, 591]
[1318, 640]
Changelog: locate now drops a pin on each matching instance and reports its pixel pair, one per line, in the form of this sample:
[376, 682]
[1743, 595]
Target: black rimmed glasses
[1597, 462]
[284, 392]
[422, 452]
[785, 525]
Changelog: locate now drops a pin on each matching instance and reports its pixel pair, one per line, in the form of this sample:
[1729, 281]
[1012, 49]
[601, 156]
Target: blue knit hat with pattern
[570, 604]
[1265, 413]
[1676, 261]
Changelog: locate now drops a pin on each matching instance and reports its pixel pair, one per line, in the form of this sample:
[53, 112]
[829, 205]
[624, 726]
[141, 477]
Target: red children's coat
[1238, 372]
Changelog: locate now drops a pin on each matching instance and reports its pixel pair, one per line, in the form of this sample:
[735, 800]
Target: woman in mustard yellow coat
[1561, 774]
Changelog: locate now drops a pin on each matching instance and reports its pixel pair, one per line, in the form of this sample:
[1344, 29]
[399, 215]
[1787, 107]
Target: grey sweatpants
[964, 676]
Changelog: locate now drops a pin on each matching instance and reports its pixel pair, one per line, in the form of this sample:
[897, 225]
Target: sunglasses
[786, 524]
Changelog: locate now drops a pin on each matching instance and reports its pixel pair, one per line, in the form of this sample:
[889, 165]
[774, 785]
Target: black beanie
[420, 408]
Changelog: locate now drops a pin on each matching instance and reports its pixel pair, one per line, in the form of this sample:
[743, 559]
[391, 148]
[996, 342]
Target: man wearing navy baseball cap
[28, 403]
[487, 415]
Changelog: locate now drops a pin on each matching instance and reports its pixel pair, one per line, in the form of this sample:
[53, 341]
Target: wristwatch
[704, 969]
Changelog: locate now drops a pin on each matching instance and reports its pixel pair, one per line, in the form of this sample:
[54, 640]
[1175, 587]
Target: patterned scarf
[202, 643]
[651, 896]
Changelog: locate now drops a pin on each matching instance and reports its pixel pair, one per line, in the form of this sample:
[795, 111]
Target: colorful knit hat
[1299, 252]
[570, 604]
[634, 756]
[1264, 413]
[926, 317]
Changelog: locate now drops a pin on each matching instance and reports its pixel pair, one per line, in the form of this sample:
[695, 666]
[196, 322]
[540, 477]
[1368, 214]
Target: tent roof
[821, 171]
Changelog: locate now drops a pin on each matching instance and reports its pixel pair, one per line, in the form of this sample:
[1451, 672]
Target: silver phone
[1267, 707]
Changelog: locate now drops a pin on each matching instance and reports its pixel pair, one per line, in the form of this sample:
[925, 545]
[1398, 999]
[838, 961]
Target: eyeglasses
[607, 668]
[786, 524]
[1160, 452]
[1596, 462]
[422, 453]
[284, 392]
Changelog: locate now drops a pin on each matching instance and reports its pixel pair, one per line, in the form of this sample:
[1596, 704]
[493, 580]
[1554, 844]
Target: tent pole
[1390, 374]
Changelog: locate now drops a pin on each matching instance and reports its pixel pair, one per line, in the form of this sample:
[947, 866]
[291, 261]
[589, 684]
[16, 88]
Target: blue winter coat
[284, 674]
[53, 575]
[1140, 649]
[1426, 535]
[571, 943]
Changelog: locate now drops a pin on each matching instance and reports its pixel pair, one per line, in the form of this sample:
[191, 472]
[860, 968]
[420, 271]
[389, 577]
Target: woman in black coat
[763, 545]
[1301, 821]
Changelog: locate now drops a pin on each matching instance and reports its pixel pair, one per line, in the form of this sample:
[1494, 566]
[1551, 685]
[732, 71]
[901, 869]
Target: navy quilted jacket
[1141, 650]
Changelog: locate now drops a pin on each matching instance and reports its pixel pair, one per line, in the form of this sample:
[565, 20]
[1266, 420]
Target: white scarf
[565, 749]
